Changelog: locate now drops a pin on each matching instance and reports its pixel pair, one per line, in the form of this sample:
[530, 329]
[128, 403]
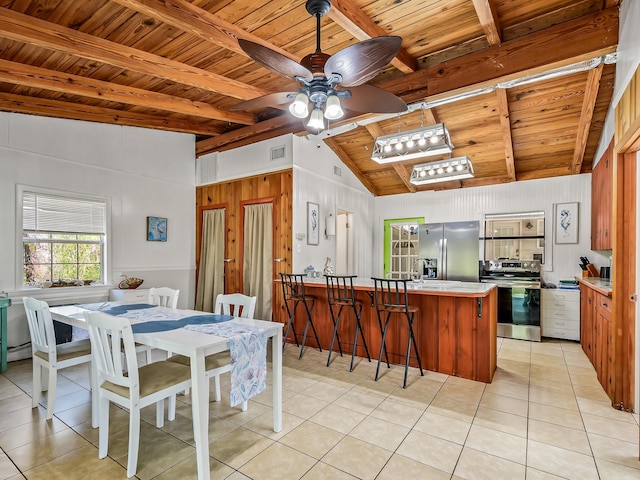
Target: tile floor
[544, 416]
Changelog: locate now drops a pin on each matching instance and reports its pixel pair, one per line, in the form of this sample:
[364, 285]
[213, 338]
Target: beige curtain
[258, 256]
[211, 270]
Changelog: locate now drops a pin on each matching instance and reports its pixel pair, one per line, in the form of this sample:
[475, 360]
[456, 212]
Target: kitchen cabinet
[560, 313]
[596, 334]
[138, 295]
[602, 201]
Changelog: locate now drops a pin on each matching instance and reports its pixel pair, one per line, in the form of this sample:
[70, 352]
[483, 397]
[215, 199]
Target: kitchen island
[455, 326]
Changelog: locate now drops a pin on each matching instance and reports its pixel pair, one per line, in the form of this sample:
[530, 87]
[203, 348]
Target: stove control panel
[509, 265]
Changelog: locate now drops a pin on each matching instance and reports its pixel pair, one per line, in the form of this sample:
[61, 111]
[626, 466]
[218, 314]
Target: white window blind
[51, 213]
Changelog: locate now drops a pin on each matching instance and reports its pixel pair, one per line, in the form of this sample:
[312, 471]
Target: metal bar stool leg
[290, 326]
[383, 345]
[306, 328]
[383, 348]
[336, 322]
[355, 337]
[406, 360]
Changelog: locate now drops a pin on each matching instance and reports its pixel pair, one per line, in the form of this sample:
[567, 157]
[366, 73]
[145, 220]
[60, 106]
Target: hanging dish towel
[248, 347]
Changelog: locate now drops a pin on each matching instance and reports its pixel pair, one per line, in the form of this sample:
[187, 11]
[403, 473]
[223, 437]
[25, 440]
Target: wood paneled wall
[233, 196]
[627, 144]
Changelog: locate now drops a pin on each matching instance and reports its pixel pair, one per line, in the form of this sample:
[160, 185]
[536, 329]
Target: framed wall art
[313, 224]
[566, 223]
[156, 229]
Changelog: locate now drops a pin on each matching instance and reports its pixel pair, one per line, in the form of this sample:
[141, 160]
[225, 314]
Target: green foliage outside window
[61, 258]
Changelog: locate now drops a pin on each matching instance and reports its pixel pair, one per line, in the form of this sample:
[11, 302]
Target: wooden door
[276, 187]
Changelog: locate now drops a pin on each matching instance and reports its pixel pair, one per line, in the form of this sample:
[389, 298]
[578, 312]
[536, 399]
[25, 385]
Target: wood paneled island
[455, 327]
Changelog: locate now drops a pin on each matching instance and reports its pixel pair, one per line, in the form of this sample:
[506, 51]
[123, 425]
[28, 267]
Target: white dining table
[196, 346]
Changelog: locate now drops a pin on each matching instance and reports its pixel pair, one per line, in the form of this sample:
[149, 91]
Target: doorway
[344, 243]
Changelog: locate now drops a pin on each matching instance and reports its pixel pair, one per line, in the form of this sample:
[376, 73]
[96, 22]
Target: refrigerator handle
[443, 259]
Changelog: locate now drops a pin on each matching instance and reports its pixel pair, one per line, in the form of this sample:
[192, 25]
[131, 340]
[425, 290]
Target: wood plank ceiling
[176, 65]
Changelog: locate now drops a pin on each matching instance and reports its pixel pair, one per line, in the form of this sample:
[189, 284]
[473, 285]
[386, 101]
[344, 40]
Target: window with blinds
[63, 239]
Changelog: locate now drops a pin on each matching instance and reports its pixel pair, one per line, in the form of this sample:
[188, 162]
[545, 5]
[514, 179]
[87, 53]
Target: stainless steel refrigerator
[449, 251]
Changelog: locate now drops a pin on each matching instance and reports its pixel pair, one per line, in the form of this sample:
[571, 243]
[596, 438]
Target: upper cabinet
[602, 201]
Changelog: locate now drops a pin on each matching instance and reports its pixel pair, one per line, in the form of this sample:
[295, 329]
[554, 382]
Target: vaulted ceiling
[176, 65]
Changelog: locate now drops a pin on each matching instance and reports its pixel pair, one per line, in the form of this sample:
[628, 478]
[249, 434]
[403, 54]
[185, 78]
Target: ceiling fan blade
[271, 100]
[274, 61]
[370, 99]
[362, 61]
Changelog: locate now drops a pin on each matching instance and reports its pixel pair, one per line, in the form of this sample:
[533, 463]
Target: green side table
[4, 304]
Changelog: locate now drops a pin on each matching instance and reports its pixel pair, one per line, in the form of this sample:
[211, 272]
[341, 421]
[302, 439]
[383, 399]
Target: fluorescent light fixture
[421, 142]
[442, 171]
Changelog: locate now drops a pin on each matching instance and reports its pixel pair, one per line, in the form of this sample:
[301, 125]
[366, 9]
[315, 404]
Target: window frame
[19, 242]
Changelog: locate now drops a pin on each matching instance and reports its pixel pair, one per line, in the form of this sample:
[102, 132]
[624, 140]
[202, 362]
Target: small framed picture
[566, 224]
[156, 229]
[313, 223]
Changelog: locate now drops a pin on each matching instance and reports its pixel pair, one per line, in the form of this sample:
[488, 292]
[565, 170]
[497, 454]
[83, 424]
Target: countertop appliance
[449, 251]
[518, 296]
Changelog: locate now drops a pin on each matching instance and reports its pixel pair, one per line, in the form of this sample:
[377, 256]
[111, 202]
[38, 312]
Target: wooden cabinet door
[586, 320]
[602, 201]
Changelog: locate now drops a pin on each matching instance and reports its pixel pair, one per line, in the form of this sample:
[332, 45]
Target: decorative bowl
[130, 283]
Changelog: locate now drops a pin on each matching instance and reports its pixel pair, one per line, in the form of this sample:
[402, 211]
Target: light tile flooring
[544, 416]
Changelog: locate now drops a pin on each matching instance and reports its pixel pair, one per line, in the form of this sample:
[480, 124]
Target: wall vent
[277, 153]
[206, 169]
[336, 171]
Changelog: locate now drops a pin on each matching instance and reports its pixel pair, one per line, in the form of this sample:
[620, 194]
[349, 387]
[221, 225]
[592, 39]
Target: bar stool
[294, 294]
[390, 296]
[340, 294]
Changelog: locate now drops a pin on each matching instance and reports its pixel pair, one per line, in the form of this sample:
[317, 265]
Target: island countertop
[433, 287]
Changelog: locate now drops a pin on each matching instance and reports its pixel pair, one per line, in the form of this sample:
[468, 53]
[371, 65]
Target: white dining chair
[47, 355]
[126, 384]
[164, 297]
[235, 304]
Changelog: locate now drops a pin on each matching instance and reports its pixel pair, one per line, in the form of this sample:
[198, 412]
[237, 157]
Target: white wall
[143, 172]
[561, 261]
[314, 180]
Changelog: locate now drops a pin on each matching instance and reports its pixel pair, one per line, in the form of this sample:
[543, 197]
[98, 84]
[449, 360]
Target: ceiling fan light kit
[328, 83]
[411, 144]
[457, 168]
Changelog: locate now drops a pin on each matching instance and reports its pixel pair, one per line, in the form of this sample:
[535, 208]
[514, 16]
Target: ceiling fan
[327, 82]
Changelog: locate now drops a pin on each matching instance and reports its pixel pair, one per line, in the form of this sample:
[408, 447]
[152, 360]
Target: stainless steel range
[518, 296]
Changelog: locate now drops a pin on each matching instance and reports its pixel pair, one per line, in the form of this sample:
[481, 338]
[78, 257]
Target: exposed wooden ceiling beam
[353, 19]
[346, 159]
[505, 127]
[376, 131]
[489, 20]
[53, 108]
[247, 135]
[588, 106]
[544, 173]
[23, 28]
[20, 74]
[591, 35]
[197, 21]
